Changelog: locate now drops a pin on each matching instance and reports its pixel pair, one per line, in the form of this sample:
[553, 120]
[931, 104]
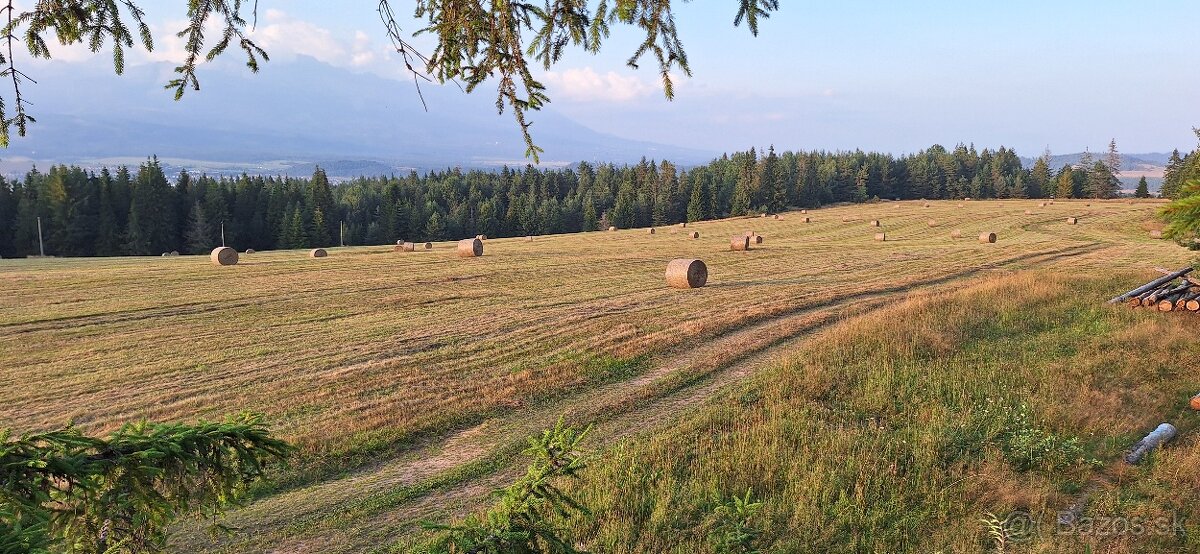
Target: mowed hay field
[408, 379]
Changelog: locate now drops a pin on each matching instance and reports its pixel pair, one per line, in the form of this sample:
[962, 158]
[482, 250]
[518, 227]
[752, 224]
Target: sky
[876, 75]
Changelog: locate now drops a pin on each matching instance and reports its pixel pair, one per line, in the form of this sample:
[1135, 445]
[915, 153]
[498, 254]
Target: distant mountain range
[1134, 162]
[293, 116]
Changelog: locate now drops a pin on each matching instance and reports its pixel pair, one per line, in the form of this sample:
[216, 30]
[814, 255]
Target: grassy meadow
[851, 384]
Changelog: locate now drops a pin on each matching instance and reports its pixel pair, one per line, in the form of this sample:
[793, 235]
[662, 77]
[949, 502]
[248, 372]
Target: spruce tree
[590, 221]
[695, 209]
[1143, 188]
[435, 229]
[1065, 186]
[199, 232]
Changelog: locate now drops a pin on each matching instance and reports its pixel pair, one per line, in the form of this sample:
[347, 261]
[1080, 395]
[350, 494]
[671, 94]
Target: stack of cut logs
[1174, 292]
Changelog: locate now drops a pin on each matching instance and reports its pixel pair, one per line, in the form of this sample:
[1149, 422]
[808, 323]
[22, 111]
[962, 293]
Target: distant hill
[1128, 161]
[290, 117]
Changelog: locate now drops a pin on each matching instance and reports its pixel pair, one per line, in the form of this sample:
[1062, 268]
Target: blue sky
[893, 76]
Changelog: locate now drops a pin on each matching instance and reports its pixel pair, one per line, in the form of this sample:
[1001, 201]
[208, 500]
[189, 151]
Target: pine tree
[1173, 177]
[199, 232]
[744, 189]
[435, 229]
[1039, 184]
[1112, 160]
[1065, 187]
[772, 182]
[1101, 182]
[1143, 188]
[695, 209]
[590, 221]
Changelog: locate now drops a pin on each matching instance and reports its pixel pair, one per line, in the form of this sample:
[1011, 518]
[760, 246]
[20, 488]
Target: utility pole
[222, 234]
[342, 233]
[41, 245]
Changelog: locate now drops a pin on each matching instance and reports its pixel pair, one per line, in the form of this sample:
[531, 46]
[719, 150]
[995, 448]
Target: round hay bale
[687, 274]
[1156, 234]
[612, 228]
[694, 235]
[961, 205]
[470, 248]
[174, 252]
[1072, 220]
[740, 243]
[956, 234]
[750, 233]
[777, 217]
[807, 220]
[429, 246]
[881, 237]
[1028, 212]
[481, 237]
[529, 238]
[764, 215]
[406, 247]
[968, 199]
[987, 238]
[756, 239]
[1041, 204]
[874, 222]
[249, 250]
[845, 219]
[684, 224]
[400, 242]
[932, 223]
[223, 255]
[317, 253]
[166, 254]
[803, 211]
[927, 204]
[651, 231]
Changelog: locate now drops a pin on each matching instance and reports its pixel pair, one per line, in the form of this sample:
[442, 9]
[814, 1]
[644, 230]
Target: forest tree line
[141, 212]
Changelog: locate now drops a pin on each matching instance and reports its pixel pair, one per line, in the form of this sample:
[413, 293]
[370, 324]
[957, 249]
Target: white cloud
[586, 85]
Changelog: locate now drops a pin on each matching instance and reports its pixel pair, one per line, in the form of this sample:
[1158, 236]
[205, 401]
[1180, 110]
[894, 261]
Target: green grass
[899, 431]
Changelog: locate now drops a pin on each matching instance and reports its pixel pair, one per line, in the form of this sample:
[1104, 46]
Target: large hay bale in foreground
[694, 235]
[739, 243]
[317, 253]
[1072, 220]
[687, 274]
[470, 248]
[987, 238]
[223, 255]
[956, 234]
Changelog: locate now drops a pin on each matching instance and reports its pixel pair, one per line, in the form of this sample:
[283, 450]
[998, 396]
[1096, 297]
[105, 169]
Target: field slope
[409, 379]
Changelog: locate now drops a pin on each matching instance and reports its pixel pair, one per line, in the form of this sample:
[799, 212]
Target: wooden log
[1195, 281]
[1152, 285]
[1193, 305]
[1160, 436]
